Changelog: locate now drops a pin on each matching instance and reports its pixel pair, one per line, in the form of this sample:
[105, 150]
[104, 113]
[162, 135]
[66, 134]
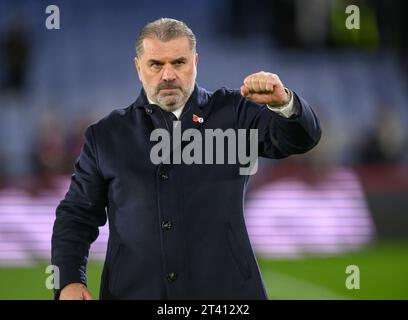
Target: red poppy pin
[197, 119]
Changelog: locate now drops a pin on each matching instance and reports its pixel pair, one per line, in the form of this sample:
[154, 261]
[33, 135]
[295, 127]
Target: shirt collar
[177, 112]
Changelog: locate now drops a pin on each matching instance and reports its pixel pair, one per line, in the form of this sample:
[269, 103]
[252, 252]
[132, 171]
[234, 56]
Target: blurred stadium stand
[65, 79]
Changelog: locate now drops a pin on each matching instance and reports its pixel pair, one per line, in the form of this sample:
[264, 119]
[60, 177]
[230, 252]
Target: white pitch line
[288, 287]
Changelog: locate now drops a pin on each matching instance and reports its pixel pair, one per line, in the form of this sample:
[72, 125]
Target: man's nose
[168, 74]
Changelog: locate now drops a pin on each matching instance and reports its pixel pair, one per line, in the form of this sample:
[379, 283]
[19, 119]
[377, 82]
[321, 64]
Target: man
[176, 230]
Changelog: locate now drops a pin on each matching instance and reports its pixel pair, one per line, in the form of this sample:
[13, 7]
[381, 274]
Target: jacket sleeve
[78, 217]
[279, 137]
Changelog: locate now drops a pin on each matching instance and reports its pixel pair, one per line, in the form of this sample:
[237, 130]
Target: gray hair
[165, 29]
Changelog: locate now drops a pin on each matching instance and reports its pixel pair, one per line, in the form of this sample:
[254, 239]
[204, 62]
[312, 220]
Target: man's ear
[137, 65]
[196, 59]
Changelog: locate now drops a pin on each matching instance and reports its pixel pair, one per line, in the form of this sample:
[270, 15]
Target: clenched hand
[265, 88]
[75, 291]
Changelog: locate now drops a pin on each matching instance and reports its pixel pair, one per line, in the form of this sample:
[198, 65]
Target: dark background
[343, 203]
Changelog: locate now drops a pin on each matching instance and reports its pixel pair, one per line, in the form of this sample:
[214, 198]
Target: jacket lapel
[196, 110]
[193, 116]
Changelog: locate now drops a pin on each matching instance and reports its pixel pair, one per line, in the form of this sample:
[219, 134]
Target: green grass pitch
[383, 275]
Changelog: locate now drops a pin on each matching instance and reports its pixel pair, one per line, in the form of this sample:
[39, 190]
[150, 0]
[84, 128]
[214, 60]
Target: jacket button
[172, 276]
[164, 176]
[149, 110]
[167, 225]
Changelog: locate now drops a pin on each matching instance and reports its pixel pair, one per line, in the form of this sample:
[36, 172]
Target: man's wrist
[285, 110]
[289, 99]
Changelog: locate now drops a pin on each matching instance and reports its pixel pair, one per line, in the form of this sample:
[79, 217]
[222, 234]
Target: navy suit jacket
[176, 231]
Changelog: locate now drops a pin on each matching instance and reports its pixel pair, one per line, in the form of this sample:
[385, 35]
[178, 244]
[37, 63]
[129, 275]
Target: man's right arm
[78, 217]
